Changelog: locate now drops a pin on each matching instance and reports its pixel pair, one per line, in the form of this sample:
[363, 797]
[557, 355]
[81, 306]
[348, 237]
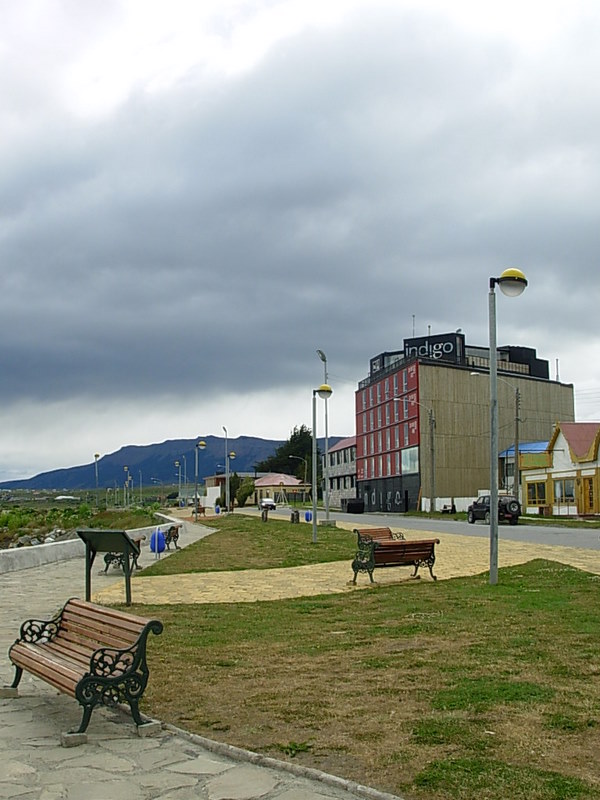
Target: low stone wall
[37, 555]
[40, 554]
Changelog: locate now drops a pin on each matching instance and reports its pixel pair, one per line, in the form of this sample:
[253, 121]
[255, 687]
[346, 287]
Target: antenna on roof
[413, 316]
[557, 370]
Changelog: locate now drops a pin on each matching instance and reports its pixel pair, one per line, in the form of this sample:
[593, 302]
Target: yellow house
[565, 479]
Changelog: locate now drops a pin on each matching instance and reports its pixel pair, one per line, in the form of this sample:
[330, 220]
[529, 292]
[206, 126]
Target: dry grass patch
[452, 690]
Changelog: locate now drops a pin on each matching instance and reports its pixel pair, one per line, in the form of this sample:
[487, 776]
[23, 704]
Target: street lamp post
[125, 487]
[200, 445]
[299, 458]
[226, 471]
[178, 465]
[323, 358]
[512, 283]
[96, 457]
[324, 391]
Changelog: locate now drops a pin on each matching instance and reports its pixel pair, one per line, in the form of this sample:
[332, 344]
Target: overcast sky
[195, 196]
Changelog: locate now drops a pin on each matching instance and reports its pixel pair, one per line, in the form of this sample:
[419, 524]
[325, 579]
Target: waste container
[308, 516]
[295, 516]
[355, 506]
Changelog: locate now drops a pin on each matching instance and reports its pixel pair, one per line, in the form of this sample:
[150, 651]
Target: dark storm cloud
[357, 179]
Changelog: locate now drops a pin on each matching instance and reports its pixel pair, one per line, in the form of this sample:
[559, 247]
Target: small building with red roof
[566, 479]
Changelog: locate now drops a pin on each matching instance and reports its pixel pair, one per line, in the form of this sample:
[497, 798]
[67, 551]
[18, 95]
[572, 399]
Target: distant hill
[156, 463]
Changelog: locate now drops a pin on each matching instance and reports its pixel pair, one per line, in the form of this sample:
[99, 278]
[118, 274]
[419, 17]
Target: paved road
[536, 534]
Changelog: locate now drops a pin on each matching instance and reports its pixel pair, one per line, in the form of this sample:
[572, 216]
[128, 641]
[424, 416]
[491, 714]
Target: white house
[564, 480]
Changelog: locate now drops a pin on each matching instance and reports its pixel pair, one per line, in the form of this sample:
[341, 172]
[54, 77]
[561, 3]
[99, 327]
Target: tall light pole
[200, 445]
[228, 455]
[226, 471]
[323, 358]
[178, 465]
[299, 458]
[512, 283]
[96, 457]
[125, 487]
[185, 476]
[324, 391]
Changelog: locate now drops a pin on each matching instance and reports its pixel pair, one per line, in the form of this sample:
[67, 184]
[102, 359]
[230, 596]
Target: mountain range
[155, 463]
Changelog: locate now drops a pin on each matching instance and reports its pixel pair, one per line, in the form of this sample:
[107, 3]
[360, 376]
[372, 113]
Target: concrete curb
[220, 748]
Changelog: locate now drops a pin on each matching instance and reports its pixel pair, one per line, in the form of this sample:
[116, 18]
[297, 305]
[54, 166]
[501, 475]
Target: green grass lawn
[455, 689]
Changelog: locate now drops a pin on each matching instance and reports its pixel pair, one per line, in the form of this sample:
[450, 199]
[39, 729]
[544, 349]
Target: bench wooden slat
[96, 654]
[396, 553]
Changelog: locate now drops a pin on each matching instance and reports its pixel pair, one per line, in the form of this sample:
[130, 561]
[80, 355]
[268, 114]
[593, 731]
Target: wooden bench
[172, 535]
[118, 559]
[377, 535]
[96, 655]
[373, 554]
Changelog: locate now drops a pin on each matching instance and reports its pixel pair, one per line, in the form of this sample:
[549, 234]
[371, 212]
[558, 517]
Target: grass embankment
[453, 689]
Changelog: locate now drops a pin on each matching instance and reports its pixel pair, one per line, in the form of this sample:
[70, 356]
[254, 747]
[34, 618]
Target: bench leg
[135, 712]
[17, 678]
[85, 720]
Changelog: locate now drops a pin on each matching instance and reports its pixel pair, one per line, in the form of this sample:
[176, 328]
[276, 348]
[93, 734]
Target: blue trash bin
[217, 509]
[157, 542]
[308, 516]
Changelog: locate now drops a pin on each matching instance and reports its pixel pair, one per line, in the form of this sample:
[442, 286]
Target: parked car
[509, 509]
[268, 503]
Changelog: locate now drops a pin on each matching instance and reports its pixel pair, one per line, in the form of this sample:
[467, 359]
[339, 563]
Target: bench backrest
[88, 627]
[406, 550]
[377, 535]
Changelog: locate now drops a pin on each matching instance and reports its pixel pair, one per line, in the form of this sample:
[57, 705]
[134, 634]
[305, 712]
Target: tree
[244, 492]
[298, 445]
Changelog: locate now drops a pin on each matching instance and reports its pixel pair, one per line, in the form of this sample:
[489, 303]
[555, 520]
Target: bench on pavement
[373, 554]
[118, 559]
[96, 655]
[172, 535]
[377, 535]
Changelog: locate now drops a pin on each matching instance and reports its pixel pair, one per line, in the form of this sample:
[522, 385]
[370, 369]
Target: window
[406, 437]
[564, 490]
[410, 460]
[405, 410]
[388, 464]
[397, 436]
[364, 399]
[536, 493]
[387, 414]
[387, 388]
[404, 380]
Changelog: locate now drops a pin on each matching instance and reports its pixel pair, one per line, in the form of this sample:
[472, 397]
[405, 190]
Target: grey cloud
[322, 199]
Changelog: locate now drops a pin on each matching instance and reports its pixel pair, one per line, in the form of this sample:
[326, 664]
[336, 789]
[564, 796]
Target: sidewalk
[117, 764]
[174, 765]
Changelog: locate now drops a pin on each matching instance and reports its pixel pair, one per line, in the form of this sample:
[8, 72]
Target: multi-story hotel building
[423, 420]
